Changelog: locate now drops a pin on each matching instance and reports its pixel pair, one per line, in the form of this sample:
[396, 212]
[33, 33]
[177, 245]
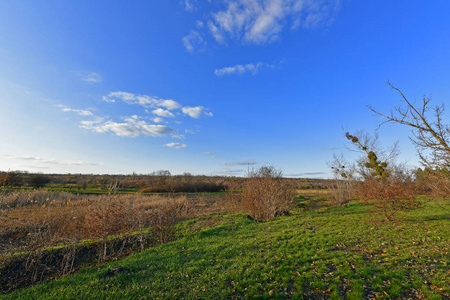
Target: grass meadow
[319, 251]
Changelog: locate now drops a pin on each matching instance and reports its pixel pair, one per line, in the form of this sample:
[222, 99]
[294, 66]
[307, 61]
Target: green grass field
[341, 252]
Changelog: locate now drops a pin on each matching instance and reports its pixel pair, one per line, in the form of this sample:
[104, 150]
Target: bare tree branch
[428, 135]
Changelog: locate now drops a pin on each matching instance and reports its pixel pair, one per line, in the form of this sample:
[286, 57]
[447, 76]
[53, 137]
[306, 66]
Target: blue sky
[210, 87]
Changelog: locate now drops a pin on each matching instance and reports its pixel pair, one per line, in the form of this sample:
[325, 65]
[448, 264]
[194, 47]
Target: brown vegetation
[383, 184]
[46, 234]
[265, 194]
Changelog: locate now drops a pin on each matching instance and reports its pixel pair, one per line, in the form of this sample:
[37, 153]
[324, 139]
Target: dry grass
[313, 191]
[37, 219]
[112, 226]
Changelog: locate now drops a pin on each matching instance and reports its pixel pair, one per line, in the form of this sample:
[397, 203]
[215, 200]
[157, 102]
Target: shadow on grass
[441, 217]
[229, 228]
[352, 208]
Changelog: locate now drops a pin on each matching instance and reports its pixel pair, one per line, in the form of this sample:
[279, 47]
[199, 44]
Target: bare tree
[429, 134]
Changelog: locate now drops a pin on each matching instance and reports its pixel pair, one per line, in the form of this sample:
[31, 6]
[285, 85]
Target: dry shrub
[342, 191]
[164, 218]
[343, 185]
[116, 225]
[436, 182]
[37, 219]
[233, 198]
[266, 194]
[389, 195]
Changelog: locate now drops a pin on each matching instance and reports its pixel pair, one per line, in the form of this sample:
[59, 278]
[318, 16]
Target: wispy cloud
[240, 163]
[175, 145]
[262, 22]
[189, 5]
[211, 154]
[241, 69]
[229, 172]
[81, 112]
[193, 40]
[49, 161]
[305, 174]
[90, 77]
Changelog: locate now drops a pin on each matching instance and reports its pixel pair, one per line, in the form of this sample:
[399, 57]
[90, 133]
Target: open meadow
[69, 246]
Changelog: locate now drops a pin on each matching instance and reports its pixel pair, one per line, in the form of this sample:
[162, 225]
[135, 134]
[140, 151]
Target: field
[318, 252]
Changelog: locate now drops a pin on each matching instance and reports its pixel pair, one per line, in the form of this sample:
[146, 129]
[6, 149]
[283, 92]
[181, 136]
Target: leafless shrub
[266, 194]
[387, 186]
[164, 218]
[388, 196]
[343, 184]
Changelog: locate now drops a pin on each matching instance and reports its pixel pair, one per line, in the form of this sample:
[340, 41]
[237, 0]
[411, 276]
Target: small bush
[388, 196]
[388, 187]
[266, 194]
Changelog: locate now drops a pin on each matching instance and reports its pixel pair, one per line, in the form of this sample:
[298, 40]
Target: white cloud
[163, 113]
[132, 127]
[262, 22]
[90, 123]
[241, 69]
[169, 104]
[143, 100]
[90, 77]
[208, 114]
[193, 40]
[175, 145]
[135, 125]
[81, 112]
[158, 120]
[193, 112]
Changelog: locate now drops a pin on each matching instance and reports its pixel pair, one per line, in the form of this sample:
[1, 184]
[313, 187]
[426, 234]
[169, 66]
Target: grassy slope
[342, 252]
